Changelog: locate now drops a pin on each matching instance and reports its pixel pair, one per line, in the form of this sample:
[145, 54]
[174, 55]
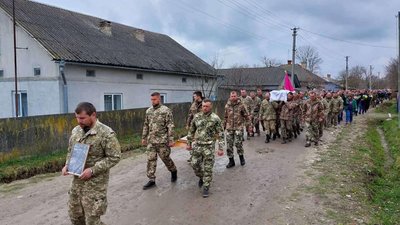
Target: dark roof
[75, 37]
[253, 77]
[304, 75]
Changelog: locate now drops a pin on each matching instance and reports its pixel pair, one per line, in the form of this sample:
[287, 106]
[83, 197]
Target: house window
[90, 73]
[36, 71]
[112, 102]
[1, 73]
[163, 98]
[22, 103]
[139, 76]
[184, 80]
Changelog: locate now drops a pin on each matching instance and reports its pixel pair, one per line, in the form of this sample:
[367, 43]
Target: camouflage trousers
[86, 204]
[234, 138]
[312, 131]
[203, 162]
[286, 128]
[256, 123]
[269, 127]
[321, 128]
[163, 151]
[334, 119]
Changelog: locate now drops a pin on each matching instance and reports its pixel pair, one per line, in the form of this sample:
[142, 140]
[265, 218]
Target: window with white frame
[163, 98]
[22, 97]
[112, 102]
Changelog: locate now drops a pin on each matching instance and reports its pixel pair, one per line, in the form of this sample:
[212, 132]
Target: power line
[229, 25]
[346, 41]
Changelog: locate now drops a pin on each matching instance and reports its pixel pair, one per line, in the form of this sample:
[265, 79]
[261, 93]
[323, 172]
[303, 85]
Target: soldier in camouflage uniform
[261, 97]
[204, 131]
[286, 118]
[247, 102]
[328, 112]
[302, 102]
[88, 193]
[268, 116]
[296, 115]
[236, 116]
[194, 109]
[313, 117]
[256, 104]
[322, 99]
[335, 108]
[158, 136]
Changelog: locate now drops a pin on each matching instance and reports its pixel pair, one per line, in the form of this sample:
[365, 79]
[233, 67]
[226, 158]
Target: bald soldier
[88, 192]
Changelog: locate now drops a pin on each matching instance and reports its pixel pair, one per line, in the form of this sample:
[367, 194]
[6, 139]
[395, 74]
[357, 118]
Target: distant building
[331, 84]
[66, 57]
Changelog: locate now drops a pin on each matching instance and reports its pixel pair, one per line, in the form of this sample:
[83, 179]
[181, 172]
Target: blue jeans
[349, 116]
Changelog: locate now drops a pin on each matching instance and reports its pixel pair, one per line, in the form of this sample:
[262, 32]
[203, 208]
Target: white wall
[135, 93]
[43, 92]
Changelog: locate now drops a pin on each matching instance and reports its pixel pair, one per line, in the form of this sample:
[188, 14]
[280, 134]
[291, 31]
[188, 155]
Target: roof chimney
[105, 27]
[289, 62]
[139, 34]
[328, 76]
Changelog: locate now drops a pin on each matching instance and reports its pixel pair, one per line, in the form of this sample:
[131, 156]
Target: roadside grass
[353, 180]
[16, 167]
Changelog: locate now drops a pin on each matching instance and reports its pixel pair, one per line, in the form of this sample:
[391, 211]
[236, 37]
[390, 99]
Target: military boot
[174, 176]
[295, 134]
[205, 192]
[231, 163]
[242, 161]
[274, 136]
[267, 138]
[316, 143]
[201, 182]
[283, 141]
[149, 185]
[308, 144]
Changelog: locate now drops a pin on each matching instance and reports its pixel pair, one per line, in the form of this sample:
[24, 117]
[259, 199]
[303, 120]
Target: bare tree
[309, 55]
[209, 84]
[391, 74]
[357, 78]
[270, 62]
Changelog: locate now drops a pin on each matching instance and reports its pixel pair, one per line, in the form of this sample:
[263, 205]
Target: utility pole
[370, 77]
[347, 72]
[15, 62]
[293, 54]
[398, 72]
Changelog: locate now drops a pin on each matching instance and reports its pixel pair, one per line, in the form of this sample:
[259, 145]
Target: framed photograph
[77, 162]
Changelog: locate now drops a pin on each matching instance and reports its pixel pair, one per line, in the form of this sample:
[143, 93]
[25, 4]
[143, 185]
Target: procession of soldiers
[245, 116]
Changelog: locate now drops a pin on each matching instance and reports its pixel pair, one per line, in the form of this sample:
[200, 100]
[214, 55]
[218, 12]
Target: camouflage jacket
[256, 104]
[268, 110]
[194, 109]
[296, 111]
[248, 103]
[325, 103]
[206, 129]
[314, 111]
[158, 127]
[236, 115]
[335, 105]
[287, 110]
[104, 151]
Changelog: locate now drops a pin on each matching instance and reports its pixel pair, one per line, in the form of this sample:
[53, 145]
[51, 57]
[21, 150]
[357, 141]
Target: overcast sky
[243, 31]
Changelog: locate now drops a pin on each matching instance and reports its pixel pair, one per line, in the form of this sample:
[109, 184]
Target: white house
[65, 57]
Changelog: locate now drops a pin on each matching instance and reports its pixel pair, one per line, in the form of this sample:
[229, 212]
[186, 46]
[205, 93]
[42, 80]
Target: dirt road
[257, 193]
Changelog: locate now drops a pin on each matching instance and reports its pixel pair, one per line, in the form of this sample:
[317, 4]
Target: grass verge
[22, 167]
[354, 181]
